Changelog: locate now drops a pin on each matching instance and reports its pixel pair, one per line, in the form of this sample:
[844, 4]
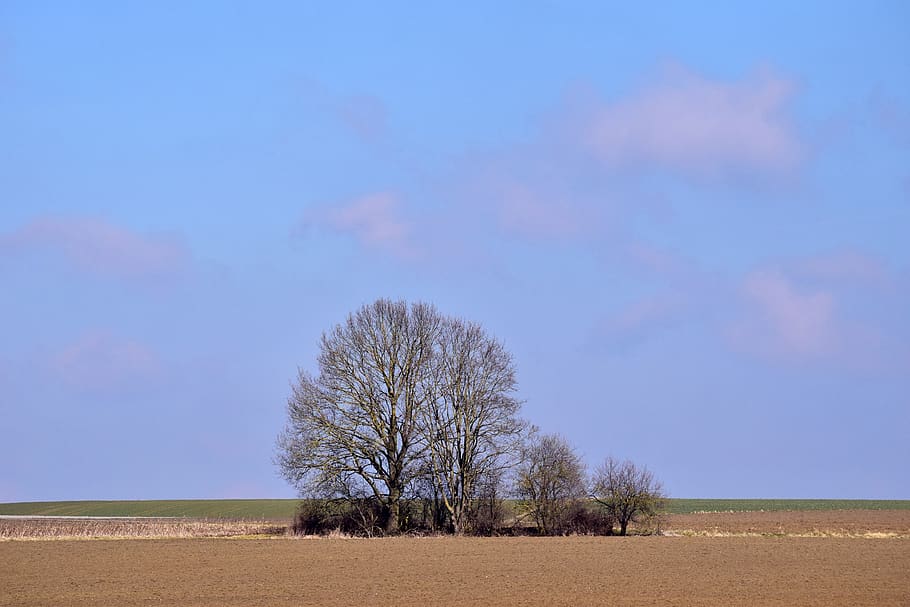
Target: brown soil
[835, 523]
[466, 571]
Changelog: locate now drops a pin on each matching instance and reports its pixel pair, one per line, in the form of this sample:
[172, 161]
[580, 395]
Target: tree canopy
[413, 414]
[402, 391]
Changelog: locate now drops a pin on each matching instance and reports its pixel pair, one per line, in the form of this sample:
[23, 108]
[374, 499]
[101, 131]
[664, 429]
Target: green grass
[283, 509]
[232, 509]
[685, 506]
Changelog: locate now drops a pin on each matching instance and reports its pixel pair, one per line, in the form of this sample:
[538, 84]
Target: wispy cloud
[784, 319]
[374, 220]
[689, 124]
[364, 115]
[361, 114]
[655, 260]
[99, 361]
[640, 321]
[581, 174]
[98, 246]
[841, 308]
[588, 168]
[526, 211]
[844, 266]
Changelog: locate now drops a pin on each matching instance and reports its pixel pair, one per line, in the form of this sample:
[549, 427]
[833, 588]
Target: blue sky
[687, 221]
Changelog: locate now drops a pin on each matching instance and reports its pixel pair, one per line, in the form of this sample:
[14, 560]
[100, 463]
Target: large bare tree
[471, 421]
[626, 491]
[354, 429]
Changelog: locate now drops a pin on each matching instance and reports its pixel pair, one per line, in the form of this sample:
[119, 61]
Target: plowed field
[822, 523]
[465, 571]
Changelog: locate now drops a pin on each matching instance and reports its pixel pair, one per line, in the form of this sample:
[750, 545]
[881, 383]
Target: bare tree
[487, 509]
[471, 420]
[626, 491]
[354, 429]
[551, 480]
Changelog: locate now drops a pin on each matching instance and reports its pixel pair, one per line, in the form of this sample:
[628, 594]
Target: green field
[283, 509]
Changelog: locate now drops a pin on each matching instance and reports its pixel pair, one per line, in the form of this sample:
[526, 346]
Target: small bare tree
[487, 510]
[471, 421]
[551, 480]
[627, 492]
[354, 430]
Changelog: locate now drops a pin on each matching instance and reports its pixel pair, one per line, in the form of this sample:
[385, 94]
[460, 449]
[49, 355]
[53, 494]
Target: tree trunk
[458, 521]
[622, 526]
[391, 522]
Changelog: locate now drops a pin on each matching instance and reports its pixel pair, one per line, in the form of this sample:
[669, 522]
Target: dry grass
[818, 524]
[815, 534]
[110, 528]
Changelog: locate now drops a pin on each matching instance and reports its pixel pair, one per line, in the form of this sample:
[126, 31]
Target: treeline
[412, 425]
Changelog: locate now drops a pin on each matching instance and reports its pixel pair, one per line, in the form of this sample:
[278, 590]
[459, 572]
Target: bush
[355, 517]
[584, 519]
[311, 518]
[485, 516]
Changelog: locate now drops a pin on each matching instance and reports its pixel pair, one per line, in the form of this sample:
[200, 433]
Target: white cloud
[101, 361]
[785, 319]
[98, 246]
[697, 126]
[375, 221]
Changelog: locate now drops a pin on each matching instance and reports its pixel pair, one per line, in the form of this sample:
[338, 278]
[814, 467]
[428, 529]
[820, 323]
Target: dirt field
[469, 571]
[818, 523]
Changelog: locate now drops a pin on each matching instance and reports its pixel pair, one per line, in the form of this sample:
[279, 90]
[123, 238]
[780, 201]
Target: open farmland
[812, 557]
[793, 523]
[283, 509]
[469, 571]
